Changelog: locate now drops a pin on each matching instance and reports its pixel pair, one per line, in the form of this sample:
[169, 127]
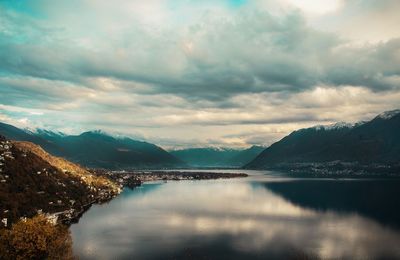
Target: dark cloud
[376, 67]
[147, 65]
[257, 121]
[248, 52]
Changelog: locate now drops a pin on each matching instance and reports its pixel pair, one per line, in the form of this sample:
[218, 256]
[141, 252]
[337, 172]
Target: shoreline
[135, 179]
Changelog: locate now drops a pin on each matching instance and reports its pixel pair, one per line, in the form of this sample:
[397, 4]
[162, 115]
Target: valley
[39, 187]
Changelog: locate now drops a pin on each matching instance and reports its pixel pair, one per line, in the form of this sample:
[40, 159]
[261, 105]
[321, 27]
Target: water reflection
[376, 199]
[226, 219]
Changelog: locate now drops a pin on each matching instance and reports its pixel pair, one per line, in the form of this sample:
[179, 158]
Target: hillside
[245, 156]
[205, 157]
[31, 180]
[14, 133]
[217, 157]
[373, 142]
[96, 149]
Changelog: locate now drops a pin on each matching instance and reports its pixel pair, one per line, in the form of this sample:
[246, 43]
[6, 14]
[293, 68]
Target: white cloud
[317, 7]
[198, 73]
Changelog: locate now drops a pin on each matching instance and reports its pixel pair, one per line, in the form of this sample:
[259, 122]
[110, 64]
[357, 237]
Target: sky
[188, 73]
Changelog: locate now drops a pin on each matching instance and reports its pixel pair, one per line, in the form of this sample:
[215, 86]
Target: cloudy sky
[197, 73]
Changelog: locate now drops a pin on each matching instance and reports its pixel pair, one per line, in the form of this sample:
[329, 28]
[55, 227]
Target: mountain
[31, 181]
[205, 157]
[245, 156]
[14, 133]
[373, 142]
[96, 148]
[217, 157]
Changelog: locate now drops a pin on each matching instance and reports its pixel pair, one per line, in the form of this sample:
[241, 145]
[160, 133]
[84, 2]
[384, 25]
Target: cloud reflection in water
[160, 221]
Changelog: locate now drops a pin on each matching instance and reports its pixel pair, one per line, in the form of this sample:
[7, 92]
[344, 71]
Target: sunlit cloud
[317, 7]
[198, 73]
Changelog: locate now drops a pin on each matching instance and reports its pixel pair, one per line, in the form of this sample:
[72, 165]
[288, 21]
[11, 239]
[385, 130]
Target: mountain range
[341, 145]
[96, 149]
[373, 142]
[217, 157]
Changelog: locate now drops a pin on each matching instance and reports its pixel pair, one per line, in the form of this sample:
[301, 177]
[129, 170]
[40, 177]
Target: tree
[36, 238]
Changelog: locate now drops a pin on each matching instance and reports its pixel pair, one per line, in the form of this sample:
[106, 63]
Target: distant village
[337, 169]
[133, 179]
[5, 153]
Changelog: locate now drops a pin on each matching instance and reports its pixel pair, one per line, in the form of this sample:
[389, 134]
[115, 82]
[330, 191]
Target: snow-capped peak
[389, 114]
[100, 132]
[42, 131]
[334, 126]
[29, 130]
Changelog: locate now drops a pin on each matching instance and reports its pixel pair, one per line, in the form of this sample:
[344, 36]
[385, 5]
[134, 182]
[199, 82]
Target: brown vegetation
[64, 165]
[31, 180]
[35, 238]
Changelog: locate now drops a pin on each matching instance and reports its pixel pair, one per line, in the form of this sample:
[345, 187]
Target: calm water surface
[265, 216]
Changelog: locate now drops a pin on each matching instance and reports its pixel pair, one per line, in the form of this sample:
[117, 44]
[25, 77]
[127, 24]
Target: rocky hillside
[32, 181]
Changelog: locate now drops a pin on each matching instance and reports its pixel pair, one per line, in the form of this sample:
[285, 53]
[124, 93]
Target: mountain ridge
[96, 148]
[373, 142]
[217, 156]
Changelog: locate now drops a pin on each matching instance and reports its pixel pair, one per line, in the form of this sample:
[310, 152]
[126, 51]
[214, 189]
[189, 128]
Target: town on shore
[133, 179]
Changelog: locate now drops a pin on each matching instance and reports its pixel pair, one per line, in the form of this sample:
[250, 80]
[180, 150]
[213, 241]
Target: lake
[266, 215]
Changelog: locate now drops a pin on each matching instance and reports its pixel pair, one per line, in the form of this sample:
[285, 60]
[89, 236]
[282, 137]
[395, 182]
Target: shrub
[36, 238]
